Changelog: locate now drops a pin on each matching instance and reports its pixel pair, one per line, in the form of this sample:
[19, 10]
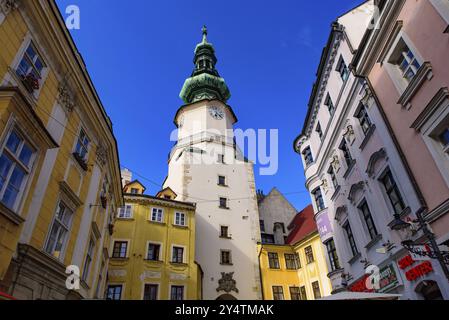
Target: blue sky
[140, 52]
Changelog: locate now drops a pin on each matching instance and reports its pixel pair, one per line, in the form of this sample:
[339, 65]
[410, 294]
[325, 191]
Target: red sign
[416, 272]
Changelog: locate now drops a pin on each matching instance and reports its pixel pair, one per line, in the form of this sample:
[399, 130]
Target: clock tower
[207, 167]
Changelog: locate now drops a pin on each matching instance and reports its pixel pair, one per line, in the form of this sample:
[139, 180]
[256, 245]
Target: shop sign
[388, 280]
[416, 271]
[324, 225]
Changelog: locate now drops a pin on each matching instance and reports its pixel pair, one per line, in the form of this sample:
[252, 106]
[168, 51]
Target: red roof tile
[302, 225]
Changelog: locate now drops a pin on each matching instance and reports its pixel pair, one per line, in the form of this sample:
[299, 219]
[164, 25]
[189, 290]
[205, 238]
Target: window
[223, 203]
[342, 68]
[278, 293]
[262, 225]
[319, 131]
[225, 257]
[273, 260]
[31, 67]
[291, 261]
[319, 201]
[82, 146]
[444, 139]
[134, 191]
[120, 249]
[309, 254]
[114, 292]
[298, 260]
[294, 293]
[157, 215]
[222, 181]
[177, 293]
[153, 251]
[221, 159]
[303, 293]
[180, 219]
[99, 281]
[89, 258]
[224, 231]
[178, 255]
[405, 60]
[316, 290]
[329, 104]
[267, 238]
[368, 218]
[333, 176]
[332, 254]
[59, 231]
[365, 121]
[15, 166]
[351, 240]
[125, 212]
[346, 153]
[307, 154]
[150, 292]
[393, 193]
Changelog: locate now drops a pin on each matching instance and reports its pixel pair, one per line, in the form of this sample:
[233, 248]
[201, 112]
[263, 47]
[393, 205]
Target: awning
[4, 296]
[347, 295]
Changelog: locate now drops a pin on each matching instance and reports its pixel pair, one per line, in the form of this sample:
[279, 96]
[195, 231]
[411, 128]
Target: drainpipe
[260, 273]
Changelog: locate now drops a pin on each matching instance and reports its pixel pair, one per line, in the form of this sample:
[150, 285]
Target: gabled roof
[135, 182]
[302, 226]
[166, 190]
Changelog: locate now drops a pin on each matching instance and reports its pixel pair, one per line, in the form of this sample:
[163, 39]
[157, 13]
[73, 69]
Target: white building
[206, 167]
[355, 175]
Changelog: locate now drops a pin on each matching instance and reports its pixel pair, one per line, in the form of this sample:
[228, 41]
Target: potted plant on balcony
[82, 162]
[30, 82]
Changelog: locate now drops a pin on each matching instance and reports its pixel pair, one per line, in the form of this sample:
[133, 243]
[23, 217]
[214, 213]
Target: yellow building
[297, 270]
[59, 167]
[153, 248]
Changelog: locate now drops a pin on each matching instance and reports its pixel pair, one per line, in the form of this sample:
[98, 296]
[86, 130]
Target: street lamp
[435, 253]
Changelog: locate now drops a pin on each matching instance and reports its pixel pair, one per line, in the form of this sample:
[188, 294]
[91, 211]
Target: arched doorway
[429, 290]
[226, 297]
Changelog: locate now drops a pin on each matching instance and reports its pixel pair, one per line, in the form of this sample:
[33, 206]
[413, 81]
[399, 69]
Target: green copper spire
[205, 81]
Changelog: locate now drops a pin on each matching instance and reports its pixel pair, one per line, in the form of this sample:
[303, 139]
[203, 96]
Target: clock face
[216, 112]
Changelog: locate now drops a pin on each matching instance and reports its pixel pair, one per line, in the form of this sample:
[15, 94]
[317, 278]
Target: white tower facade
[206, 167]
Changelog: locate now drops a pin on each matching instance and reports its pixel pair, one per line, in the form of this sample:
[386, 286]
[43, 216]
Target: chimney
[126, 177]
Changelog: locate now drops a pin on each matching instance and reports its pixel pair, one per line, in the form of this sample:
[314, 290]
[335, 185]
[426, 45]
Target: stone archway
[226, 297]
[429, 290]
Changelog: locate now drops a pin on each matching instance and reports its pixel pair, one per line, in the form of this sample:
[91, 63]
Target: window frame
[350, 238]
[393, 188]
[121, 286]
[180, 214]
[15, 162]
[125, 209]
[145, 285]
[330, 105]
[291, 263]
[224, 252]
[159, 214]
[159, 251]
[318, 199]
[368, 216]
[278, 294]
[177, 287]
[308, 156]
[342, 69]
[90, 256]
[113, 256]
[316, 286]
[332, 254]
[310, 257]
[61, 223]
[273, 261]
[175, 258]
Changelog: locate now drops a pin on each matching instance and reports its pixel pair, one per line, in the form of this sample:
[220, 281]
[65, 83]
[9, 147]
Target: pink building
[405, 58]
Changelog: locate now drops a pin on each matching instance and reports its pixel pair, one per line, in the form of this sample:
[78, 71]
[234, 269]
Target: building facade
[296, 270]
[404, 61]
[153, 249]
[275, 214]
[60, 175]
[206, 167]
[356, 175]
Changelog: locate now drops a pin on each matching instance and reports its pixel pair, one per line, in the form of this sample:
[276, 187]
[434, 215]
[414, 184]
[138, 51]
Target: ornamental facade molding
[227, 283]
[102, 155]
[66, 98]
[326, 75]
[6, 6]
